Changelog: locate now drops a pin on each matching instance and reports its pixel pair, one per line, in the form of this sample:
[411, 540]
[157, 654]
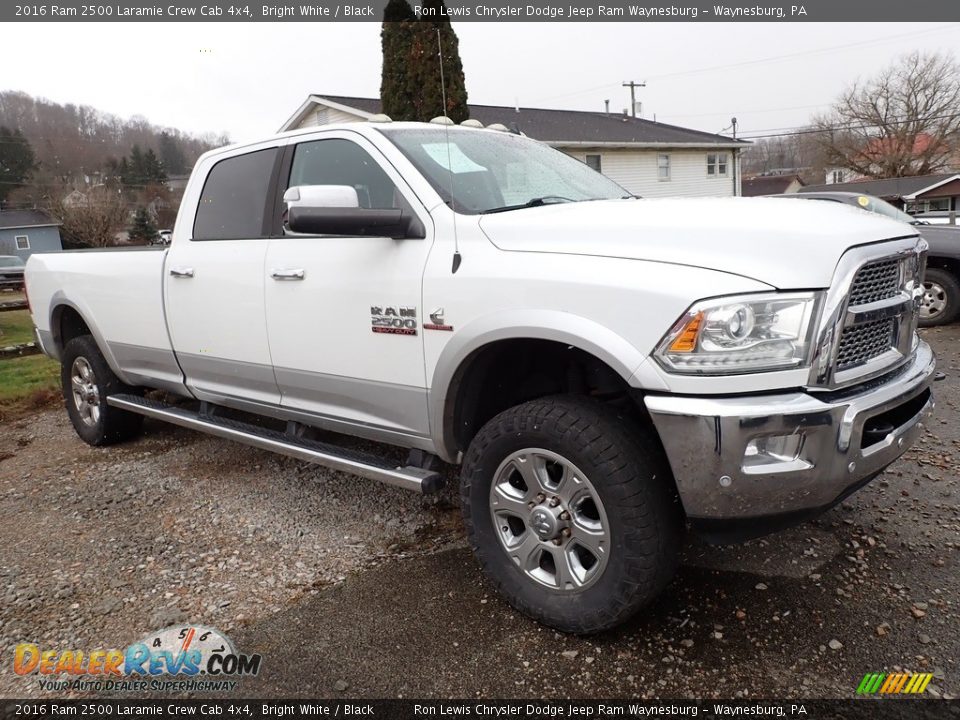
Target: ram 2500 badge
[606, 370]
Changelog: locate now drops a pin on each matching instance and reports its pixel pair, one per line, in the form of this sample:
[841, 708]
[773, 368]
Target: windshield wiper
[534, 202]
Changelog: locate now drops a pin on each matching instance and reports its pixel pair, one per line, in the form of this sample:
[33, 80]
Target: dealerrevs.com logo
[175, 659]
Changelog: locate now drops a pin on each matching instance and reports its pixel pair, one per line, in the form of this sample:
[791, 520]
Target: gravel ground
[354, 589]
[100, 546]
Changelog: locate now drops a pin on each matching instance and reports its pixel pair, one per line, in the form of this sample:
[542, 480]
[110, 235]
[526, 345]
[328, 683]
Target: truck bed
[118, 292]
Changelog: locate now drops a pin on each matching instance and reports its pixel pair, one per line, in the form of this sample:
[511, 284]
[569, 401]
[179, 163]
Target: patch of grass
[15, 327]
[28, 383]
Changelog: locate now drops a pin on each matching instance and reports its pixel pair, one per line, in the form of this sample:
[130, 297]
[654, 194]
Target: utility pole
[633, 95]
[736, 156]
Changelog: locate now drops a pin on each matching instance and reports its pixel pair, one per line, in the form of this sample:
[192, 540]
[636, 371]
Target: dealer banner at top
[494, 11]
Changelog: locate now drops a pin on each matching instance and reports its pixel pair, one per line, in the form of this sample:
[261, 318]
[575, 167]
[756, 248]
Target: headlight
[743, 334]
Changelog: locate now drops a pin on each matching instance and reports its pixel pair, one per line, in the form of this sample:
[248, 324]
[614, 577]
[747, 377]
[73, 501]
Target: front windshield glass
[489, 171]
[11, 262]
[882, 207]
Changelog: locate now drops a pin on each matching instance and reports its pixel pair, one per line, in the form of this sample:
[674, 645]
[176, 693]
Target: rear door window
[234, 200]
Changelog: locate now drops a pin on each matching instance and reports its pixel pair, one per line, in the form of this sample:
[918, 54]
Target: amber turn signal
[687, 340]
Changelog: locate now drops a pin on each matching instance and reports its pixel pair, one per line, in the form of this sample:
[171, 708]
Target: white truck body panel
[742, 236]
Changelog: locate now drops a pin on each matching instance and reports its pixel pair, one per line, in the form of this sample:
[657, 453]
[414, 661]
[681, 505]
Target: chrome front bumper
[752, 457]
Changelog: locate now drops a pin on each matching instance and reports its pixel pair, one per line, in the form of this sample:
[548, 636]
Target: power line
[833, 128]
[773, 58]
[804, 53]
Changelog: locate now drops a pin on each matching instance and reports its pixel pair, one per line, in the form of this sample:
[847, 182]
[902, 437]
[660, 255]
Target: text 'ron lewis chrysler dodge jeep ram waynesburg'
[606, 369]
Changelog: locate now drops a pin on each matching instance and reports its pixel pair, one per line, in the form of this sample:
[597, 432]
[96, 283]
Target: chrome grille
[870, 316]
[861, 343]
[876, 281]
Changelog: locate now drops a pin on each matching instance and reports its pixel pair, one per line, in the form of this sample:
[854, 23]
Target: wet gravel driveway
[353, 589]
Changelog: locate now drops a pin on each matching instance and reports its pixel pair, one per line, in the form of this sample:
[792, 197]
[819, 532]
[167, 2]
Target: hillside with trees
[90, 169]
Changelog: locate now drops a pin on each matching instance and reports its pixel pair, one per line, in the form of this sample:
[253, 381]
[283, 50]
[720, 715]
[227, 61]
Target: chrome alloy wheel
[550, 520]
[86, 394]
[934, 300]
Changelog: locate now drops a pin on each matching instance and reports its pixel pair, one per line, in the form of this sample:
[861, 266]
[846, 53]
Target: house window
[23, 242]
[593, 162]
[838, 176]
[663, 167]
[717, 165]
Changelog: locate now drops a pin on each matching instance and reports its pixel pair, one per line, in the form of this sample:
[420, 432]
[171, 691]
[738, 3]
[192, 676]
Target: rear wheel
[941, 298]
[87, 381]
[571, 511]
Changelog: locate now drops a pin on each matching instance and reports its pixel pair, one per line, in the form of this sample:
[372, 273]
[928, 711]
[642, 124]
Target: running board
[331, 456]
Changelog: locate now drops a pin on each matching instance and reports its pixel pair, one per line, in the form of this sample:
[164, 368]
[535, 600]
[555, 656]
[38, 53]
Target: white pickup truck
[606, 369]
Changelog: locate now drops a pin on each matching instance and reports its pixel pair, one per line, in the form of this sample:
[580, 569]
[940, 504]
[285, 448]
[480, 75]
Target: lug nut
[541, 497]
[565, 532]
[564, 515]
[531, 504]
[557, 541]
[554, 501]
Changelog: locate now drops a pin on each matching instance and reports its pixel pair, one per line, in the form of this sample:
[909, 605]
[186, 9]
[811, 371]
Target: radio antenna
[457, 259]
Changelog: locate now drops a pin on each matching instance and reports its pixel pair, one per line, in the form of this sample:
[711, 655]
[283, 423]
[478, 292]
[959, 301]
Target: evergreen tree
[426, 64]
[410, 87]
[136, 175]
[16, 161]
[141, 169]
[171, 154]
[152, 168]
[142, 229]
[396, 34]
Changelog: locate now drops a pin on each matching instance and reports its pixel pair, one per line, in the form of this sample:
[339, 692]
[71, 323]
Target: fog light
[774, 453]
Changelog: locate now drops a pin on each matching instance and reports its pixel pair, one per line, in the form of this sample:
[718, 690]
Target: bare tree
[96, 220]
[903, 122]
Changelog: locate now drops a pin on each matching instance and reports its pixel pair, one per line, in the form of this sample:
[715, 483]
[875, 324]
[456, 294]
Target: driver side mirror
[335, 210]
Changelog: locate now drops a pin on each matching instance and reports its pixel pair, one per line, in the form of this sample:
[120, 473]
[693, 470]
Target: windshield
[882, 207]
[11, 262]
[488, 171]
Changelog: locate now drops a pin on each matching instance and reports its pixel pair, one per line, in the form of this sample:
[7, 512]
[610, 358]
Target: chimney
[606, 105]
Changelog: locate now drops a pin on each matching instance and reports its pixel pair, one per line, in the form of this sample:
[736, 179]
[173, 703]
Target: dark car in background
[941, 297]
[11, 272]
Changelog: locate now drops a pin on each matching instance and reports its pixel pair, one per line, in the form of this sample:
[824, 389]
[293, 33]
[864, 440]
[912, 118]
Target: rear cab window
[235, 198]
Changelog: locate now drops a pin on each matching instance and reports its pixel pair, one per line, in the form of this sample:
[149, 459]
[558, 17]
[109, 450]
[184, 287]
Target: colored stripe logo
[894, 683]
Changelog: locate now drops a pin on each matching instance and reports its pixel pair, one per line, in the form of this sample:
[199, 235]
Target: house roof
[557, 127]
[769, 184]
[11, 219]
[889, 188]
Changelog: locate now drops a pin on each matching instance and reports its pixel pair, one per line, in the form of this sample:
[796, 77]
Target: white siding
[326, 116]
[636, 170]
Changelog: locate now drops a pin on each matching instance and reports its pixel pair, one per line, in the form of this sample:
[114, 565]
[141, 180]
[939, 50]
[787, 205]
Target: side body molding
[555, 325]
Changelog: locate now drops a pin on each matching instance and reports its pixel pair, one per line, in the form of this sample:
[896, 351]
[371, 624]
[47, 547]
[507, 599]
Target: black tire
[940, 287]
[630, 476]
[110, 424]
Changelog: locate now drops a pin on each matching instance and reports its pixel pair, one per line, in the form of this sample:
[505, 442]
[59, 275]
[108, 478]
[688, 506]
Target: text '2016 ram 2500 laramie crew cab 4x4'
[606, 369]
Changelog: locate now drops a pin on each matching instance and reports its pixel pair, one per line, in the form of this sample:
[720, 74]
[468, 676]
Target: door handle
[296, 274]
[179, 272]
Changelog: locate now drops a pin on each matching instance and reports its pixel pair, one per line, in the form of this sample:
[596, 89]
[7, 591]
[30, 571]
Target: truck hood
[789, 245]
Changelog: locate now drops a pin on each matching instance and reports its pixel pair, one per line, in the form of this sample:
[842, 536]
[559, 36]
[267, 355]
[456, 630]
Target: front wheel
[87, 381]
[571, 510]
[941, 298]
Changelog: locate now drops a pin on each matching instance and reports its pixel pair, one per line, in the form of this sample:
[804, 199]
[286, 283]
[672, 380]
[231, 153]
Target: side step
[331, 456]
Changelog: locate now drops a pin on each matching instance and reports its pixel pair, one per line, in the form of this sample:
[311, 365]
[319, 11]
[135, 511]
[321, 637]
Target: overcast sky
[246, 79]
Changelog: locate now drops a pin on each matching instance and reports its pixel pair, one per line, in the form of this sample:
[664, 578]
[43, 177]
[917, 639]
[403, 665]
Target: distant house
[75, 199]
[647, 158]
[923, 193]
[874, 153]
[771, 185]
[24, 232]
